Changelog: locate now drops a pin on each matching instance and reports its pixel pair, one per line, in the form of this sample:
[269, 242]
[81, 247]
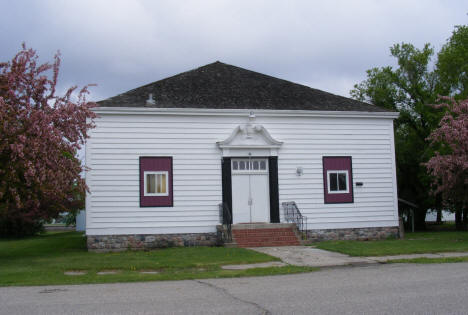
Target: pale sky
[120, 45]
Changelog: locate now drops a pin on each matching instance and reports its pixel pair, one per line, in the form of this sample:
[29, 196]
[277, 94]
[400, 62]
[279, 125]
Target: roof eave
[240, 112]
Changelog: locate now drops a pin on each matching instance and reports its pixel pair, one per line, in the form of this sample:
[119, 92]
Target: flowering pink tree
[449, 165]
[40, 134]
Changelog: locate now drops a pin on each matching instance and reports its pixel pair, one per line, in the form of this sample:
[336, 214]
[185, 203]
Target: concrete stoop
[264, 235]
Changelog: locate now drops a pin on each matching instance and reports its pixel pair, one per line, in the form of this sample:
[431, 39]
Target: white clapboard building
[172, 160]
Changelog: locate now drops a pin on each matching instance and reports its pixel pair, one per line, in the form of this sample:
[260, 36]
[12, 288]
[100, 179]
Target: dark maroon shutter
[338, 163]
[227, 184]
[274, 194]
[156, 163]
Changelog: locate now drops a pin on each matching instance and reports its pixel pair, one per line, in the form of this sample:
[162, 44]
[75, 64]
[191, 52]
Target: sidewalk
[314, 257]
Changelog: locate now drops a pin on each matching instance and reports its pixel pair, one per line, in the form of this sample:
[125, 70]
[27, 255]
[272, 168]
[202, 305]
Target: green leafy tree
[452, 65]
[410, 88]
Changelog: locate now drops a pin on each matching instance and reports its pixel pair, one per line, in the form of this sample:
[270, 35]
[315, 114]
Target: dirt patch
[75, 272]
[149, 272]
[108, 272]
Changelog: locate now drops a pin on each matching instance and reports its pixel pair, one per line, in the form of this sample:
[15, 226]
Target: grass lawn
[414, 243]
[42, 260]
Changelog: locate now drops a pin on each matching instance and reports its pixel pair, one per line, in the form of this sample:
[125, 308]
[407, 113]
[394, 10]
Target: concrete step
[230, 245]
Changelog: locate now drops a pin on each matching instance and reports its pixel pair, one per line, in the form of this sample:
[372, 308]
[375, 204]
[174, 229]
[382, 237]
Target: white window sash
[346, 172]
[146, 193]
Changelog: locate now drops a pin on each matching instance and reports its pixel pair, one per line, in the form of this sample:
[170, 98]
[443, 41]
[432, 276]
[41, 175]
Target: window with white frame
[254, 165]
[337, 181]
[156, 183]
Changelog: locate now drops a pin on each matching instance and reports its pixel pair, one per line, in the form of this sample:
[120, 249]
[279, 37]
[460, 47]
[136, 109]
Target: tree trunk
[439, 216]
[420, 219]
[465, 219]
[458, 220]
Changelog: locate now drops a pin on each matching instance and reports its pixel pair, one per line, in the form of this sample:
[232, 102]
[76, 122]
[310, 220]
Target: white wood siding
[112, 154]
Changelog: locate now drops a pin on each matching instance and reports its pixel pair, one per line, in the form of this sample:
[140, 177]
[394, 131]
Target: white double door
[250, 190]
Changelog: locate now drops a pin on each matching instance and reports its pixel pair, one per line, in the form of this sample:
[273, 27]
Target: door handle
[250, 201]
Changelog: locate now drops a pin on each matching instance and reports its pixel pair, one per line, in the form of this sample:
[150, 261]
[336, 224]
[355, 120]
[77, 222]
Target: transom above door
[252, 165]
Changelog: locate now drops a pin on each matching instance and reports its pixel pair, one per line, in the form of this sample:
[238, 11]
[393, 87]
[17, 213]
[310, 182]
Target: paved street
[372, 289]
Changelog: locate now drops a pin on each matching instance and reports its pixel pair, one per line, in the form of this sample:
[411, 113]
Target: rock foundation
[115, 243]
[361, 234]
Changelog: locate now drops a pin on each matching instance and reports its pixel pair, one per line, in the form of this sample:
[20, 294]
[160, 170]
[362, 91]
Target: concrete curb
[413, 256]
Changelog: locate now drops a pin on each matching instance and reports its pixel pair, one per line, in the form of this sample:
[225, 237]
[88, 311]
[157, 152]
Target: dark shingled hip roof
[222, 86]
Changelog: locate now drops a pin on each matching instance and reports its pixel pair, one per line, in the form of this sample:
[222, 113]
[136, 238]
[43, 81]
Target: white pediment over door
[248, 138]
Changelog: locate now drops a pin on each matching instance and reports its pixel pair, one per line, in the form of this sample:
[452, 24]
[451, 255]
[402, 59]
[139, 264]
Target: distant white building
[431, 216]
[81, 221]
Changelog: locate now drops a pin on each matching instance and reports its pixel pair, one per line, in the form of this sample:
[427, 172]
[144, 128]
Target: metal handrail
[293, 215]
[226, 220]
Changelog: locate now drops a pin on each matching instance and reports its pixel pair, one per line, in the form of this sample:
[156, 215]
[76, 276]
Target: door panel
[259, 186]
[258, 210]
[240, 198]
